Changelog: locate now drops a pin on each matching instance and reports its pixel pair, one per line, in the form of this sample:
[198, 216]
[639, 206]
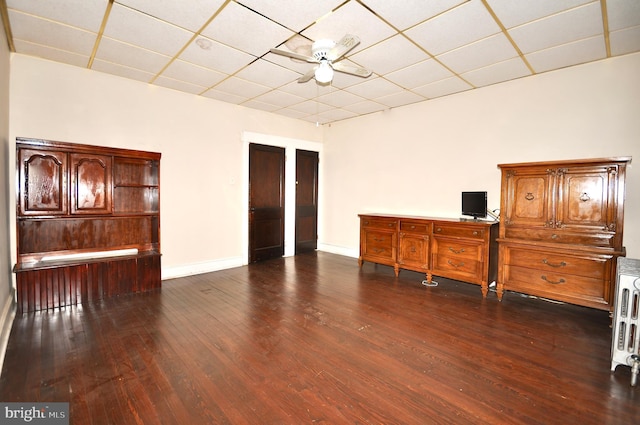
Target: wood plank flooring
[313, 339]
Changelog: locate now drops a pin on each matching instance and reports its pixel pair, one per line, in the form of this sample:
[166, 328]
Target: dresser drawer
[454, 248]
[379, 244]
[603, 239]
[554, 285]
[551, 262]
[459, 231]
[413, 227]
[379, 223]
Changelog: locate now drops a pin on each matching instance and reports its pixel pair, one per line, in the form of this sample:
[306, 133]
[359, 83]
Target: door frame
[290, 146]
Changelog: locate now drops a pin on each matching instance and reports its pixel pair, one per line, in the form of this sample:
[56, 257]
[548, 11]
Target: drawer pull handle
[391, 224]
[529, 196]
[378, 250]
[455, 265]
[560, 264]
[438, 230]
[551, 281]
[378, 239]
[459, 251]
[585, 197]
[475, 233]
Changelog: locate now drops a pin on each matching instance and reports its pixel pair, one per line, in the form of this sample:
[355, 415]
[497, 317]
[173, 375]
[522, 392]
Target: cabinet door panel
[530, 198]
[379, 246]
[90, 184]
[43, 182]
[584, 201]
[413, 251]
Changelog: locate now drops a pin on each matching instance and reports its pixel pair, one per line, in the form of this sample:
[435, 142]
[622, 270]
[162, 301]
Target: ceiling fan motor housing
[321, 48]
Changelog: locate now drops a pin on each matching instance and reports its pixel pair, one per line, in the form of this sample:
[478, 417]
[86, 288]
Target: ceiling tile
[240, 87]
[122, 71]
[497, 72]
[352, 18]
[565, 27]
[211, 54]
[280, 98]
[256, 104]
[194, 74]
[625, 41]
[224, 96]
[188, 14]
[111, 50]
[411, 12]
[49, 33]
[291, 113]
[400, 99]
[256, 34]
[374, 88]
[84, 14]
[307, 90]
[623, 14]
[462, 25]
[51, 53]
[419, 74]
[179, 85]
[513, 13]
[389, 55]
[294, 14]
[340, 98]
[495, 48]
[335, 114]
[145, 31]
[568, 54]
[442, 88]
[366, 107]
[267, 74]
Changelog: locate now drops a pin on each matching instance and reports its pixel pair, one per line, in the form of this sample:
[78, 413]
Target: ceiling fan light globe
[324, 72]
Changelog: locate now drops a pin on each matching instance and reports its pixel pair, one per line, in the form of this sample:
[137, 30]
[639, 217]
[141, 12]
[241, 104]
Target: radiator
[626, 317]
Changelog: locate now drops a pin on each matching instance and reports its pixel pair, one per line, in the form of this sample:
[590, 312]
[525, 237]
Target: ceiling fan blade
[347, 43]
[309, 75]
[353, 70]
[293, 55]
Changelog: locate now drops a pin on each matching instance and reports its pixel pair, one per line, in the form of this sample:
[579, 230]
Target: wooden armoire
[561, 229]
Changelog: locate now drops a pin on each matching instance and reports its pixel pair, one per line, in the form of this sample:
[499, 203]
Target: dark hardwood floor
[314, 339]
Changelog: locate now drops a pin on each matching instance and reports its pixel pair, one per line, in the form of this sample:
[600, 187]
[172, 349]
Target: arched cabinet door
[91, 187]
[43, 182]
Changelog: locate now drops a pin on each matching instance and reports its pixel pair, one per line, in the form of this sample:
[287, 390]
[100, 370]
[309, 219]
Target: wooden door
[266, 202]
[306, 201]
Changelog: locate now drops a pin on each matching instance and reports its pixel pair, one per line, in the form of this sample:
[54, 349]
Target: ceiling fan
[327, 53]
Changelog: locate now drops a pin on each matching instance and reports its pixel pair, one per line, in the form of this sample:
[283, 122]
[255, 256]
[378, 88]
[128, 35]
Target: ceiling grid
[417, 50]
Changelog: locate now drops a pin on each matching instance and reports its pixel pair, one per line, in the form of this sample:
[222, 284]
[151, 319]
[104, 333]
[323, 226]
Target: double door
[267, 201]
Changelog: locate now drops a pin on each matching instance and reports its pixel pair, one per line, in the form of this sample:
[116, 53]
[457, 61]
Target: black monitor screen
[474, 204]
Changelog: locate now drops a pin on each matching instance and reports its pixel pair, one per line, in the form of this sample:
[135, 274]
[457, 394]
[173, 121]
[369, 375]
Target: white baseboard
[199, 268]
[340, 250]
[228, 263]
[6, 321]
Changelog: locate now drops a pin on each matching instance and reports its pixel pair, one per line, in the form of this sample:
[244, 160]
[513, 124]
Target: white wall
[417, 159]
[6, 199]
[202, 198]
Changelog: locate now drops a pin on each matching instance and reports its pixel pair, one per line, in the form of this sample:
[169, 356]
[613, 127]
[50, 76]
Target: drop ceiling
[417, 49]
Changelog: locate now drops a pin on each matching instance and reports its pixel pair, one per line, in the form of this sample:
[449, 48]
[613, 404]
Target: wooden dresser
[88, 223]
[463, 250]
[561, 229]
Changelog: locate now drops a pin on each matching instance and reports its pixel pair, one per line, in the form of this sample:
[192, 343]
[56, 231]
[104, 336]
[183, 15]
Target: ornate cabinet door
[43, 182]
[90, 184]
[529, 197]
[587, 198]
[413, 245]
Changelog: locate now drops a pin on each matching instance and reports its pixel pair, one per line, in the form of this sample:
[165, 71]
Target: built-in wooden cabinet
[457, 249]
[561, 229]
[88, 223]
